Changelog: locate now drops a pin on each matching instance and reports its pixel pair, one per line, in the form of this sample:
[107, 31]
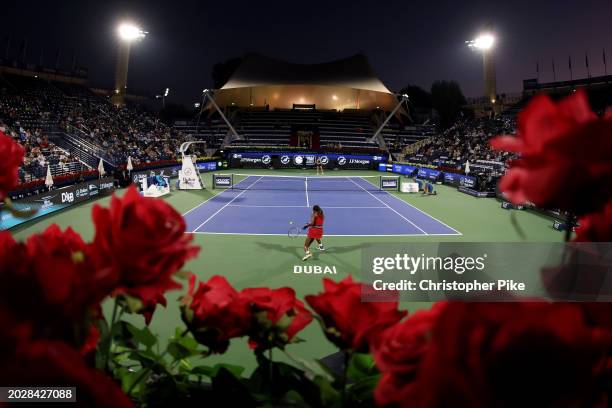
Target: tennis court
[354, 206]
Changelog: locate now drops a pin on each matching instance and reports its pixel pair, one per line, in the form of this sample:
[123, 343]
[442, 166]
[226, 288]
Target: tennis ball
[290, 222]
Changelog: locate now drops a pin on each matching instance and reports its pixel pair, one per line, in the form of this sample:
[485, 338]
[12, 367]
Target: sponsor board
[390, 183]
[222, 181]
[293, 160]
[55, 200]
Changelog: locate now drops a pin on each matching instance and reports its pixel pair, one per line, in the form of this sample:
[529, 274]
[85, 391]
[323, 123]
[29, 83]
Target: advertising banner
[389, 183]
[458, 180]
[300, 160]
[222, 181]
[55, 200]
[429, 174]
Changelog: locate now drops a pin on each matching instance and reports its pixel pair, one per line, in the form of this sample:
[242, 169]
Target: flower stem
[110, 336]
[271, 370]
[347, 359]
[146, 371]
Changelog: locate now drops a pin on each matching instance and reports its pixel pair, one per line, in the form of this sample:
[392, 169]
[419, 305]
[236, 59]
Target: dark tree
[447, 98]
[222, 71]
[419, 98]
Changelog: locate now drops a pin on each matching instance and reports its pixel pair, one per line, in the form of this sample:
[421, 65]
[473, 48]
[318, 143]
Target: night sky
[407, 42]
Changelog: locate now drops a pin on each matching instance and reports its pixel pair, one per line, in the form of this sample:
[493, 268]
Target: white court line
[306, 187]
[228, 203]
[326, 235]
[214, 195]
[423, 212]
[387, 205]
[294, 206]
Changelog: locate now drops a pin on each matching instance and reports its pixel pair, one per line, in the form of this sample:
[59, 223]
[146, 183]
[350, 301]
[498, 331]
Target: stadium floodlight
[167, 91]
[130, 32]
[483, 42]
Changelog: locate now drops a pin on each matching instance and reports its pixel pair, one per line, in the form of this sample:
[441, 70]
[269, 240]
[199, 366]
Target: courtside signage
[222, 181]
[55, 200]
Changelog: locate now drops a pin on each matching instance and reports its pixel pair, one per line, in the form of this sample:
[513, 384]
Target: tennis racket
[294, 231]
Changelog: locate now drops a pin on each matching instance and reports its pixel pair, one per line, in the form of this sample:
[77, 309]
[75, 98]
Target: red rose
[348, 322]
[50, 282]
[279, 316]
[504, 354]
[400, 351]
[596, 227]
[144, 241]
[215, 313]
[12, 157]
[565, 155]
[54, 364]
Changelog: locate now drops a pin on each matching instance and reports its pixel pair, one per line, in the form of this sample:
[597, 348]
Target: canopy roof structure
[348, 83]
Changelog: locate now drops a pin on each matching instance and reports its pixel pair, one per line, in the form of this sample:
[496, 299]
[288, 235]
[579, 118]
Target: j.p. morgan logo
[341, 161]
[298, 160]
[324, 160]
[266, 159]
[314, 270]
[285, 159]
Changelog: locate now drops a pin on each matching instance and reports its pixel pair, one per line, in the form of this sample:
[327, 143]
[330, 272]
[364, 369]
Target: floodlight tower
[485, 43]
[128, 33]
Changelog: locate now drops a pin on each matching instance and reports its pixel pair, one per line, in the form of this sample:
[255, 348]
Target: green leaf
[361, 366]
[127, 377]
[328, 395]
[211, 372]
[363, 390]
[142, 336]
[145, 357]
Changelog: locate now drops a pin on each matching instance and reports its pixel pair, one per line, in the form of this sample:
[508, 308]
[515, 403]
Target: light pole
[485, 43]
[163, 97]
[128, 33]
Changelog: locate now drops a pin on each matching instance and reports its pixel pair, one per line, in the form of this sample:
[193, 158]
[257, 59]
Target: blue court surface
[353, 206]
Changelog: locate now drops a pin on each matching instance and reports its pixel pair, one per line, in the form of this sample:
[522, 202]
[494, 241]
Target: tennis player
[315, 231]
[319, 165]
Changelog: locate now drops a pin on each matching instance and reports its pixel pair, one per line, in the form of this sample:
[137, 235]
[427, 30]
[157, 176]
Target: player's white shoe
[321, 247]
[307, 256]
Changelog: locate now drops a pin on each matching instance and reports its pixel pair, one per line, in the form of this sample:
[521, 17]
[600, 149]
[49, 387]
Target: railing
[37, 172]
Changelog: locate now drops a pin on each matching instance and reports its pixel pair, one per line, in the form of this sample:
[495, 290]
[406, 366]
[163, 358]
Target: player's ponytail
[318, 210]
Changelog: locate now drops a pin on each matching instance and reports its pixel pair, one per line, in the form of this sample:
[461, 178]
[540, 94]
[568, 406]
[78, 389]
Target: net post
[380, 183]
[232, 180]
[213, 180]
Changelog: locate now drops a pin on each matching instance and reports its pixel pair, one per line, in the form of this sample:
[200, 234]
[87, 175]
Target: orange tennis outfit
[316, 231]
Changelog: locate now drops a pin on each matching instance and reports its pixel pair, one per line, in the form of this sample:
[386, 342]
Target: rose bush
[338, 307]
[278, 315]
[503, 354]
[399, 354]
[215, 313]
[54, 268]
[12, 157]
[564, 155]
[143, 241]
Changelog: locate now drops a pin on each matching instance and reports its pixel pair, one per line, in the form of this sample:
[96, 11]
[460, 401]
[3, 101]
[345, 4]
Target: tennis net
[240, 181]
